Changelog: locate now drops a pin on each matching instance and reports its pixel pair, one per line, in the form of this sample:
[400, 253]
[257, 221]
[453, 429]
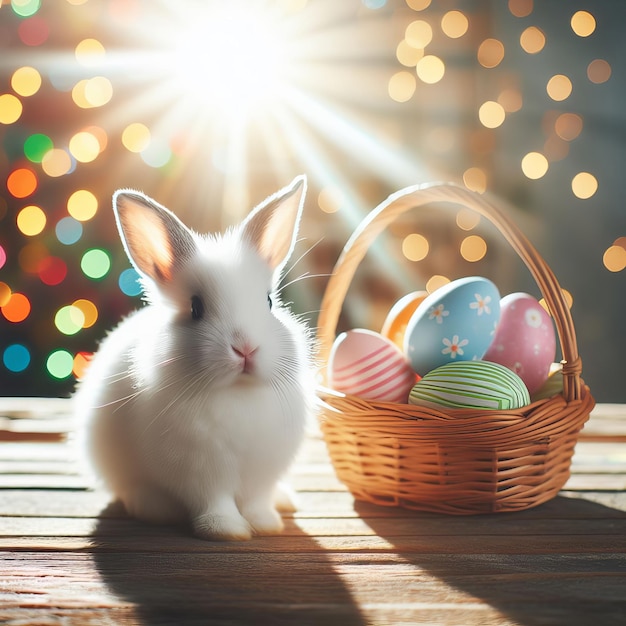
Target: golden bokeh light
[82, 205]
[10, 108]
[473, 248]
[407, 55]
[454, 24]
[534, 165]
[402, 86]
[84, 147]
[511, 100]
[614, 258]
[436, 281]
[56, 162]
[521, 8]
[583, 23]
[475, 179]
[568, 126]
[136, 137]
[532, 40]
[31, 221]
[26, 81]
[418, 5]
[559, 87]
[430, 69]
[92, 92]
[331, 199]
[567, 296]
[89, 311]
[584, 185]
[599, 71]
[491, 114]
[490, 53]
[418, 34]
[466, 219]
[415, 247]
[90, 52]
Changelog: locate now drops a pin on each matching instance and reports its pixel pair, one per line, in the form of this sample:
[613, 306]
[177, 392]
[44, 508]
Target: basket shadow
[546, 565]
[170, 577]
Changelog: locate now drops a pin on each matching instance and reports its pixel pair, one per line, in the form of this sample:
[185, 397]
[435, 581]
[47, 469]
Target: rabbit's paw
[285, 498]
[264, 520]
[222, 527]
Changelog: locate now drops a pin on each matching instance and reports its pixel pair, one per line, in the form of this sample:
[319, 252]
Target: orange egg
[398, 317]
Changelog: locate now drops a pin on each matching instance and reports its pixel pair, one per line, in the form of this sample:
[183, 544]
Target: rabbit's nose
[245, 352]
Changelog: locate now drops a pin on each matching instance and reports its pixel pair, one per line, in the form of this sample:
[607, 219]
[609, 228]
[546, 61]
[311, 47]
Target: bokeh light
[26, 81]
[89, 311]
[81, 362]
[25, 8]
[36, 146]
[407, 55]
[31, 220]
[599, 71]
[454, 24]
[402, 86]
[568, 126]
[60, 364]
[473, 248]
[466, 219]
[532, 40]
[52, 270]
[435, 282]
[56, 162]
[69, 320]
[68, 230]
[22, 182]
[521, 8]
[490, 53]
[583, 23]
[10, 108]
[559, 87]
[534, 165]
[95, 263]
[330, 199]
[82, 205]
[418, 34]
[17, 309]
[5, 293]
[128, 282]
[84, 147]
[491, 114]
[511, 100]
[90, 52]
[136, 137]
[430, 69]
[16, 357]
[415, 247]
[475, 179]
[584, 185]
[614, 258]
[33, 31]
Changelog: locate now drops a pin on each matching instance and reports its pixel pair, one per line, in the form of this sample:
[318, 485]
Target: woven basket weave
[451, 460]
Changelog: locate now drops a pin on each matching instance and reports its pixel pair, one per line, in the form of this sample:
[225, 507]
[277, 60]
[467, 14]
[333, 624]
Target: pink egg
[366, 364]
[525, 340]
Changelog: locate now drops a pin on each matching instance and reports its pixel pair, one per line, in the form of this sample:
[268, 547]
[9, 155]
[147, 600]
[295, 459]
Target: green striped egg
[471, 385]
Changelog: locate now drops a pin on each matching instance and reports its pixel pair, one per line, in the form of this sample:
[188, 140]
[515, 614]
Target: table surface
[69, 556]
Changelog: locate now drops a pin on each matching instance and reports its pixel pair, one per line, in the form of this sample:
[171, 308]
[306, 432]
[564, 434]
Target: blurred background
[210, 106]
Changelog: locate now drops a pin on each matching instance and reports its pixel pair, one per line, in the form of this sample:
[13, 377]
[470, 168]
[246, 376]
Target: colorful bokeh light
[95, 263]
[16, 357]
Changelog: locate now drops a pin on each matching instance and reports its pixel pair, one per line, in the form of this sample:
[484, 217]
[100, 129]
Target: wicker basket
[451, 461]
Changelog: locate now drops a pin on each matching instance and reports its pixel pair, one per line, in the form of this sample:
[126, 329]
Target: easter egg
[364, 363]
[471, 385]
[525, 340]
[454, 323]
[399, 315]
[552, 386]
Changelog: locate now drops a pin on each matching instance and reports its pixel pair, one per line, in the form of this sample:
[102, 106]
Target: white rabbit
[195, 405]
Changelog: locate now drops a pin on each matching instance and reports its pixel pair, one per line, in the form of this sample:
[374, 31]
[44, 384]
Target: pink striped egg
[363, 363]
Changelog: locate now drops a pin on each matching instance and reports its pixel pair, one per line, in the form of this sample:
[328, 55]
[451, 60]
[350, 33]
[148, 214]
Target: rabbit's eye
[197, 308]
[270, 304]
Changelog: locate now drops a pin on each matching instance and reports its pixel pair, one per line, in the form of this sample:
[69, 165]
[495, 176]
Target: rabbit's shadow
[173, 578]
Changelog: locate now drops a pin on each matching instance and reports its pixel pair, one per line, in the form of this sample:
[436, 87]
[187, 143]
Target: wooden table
[68, 557]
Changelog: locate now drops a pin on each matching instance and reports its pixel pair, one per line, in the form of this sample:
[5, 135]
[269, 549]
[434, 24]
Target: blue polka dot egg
[457, 322]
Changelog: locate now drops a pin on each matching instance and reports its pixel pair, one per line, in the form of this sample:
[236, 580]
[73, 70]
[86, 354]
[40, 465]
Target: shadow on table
[550, 565]
[173, 578]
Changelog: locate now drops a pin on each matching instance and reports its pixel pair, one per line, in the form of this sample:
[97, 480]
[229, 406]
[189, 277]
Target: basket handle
[418, 195]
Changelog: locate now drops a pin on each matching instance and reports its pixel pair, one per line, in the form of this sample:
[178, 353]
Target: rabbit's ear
[155, 240]
[272, 226]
